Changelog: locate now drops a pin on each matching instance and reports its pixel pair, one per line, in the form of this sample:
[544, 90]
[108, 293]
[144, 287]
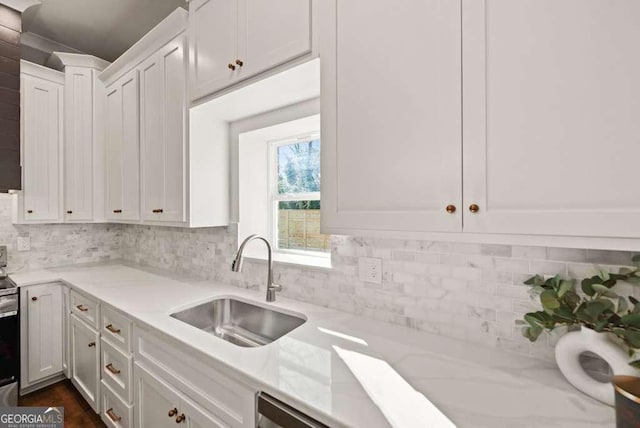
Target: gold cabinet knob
[180, 418]
[451, 209]
[91, 344]
[34, 298]
[231, 66]
[240, 63]
[173, 412]
[474, 208]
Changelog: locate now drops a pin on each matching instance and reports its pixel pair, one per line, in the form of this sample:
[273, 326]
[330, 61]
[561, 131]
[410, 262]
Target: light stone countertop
[346, 370]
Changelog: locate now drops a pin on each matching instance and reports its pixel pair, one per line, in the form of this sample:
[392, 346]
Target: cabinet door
[44, 331]
[85, 360]
[78, 144]
[551, 116]
[265, 40]
[113, 150]
[175, 116]
[41, 125]
[152, 137]
[156, 403]
[391, 116]
[163, 109]
[123, 149]
[214, 39]
[197, 417]
[130, 147]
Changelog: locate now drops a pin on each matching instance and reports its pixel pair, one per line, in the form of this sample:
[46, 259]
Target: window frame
[274, 197]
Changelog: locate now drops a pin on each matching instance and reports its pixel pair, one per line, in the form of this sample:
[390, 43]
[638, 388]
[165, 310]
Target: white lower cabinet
[85, 361]
[41, 332]
[158, 404]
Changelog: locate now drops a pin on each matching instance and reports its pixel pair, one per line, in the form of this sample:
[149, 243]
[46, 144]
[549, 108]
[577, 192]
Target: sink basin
[239, 322]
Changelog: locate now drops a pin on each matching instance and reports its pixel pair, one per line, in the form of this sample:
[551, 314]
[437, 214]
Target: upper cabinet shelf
[549, 141]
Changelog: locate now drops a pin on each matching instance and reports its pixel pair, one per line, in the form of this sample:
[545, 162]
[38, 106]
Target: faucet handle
[276, 287]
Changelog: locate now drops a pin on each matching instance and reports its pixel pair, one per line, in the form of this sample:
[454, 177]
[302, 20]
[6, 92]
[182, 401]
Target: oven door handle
[284, 415]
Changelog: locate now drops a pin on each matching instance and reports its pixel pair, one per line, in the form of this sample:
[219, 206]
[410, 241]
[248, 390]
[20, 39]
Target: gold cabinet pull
[231, 66]
[112, 369]
[29, 211]
[158, 210]
[69, 212]
[451, 209]
[113, 416]
[91, 344]
[82, 308]
[112, 329]
[474, 208]
[240, 63]
[173, 412]
[34, 298]
[180, 418]
[117, 211]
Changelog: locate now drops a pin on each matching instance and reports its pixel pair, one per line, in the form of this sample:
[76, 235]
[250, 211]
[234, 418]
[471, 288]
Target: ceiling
[104, 28]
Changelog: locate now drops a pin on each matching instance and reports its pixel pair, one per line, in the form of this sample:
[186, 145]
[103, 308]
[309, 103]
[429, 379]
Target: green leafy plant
[595, 306]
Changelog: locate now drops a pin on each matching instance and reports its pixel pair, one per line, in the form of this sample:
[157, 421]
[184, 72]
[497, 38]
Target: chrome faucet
[236, 266]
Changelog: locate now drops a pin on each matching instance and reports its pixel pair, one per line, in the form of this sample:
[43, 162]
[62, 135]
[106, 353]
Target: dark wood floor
[77, 412]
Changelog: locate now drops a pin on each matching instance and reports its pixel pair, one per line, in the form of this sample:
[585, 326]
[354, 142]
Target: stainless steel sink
[239, 322]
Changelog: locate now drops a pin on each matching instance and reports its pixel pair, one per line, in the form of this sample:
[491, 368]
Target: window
[294, 178]
[279, 185]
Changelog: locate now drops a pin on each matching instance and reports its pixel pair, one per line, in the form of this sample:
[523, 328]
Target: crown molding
[42, 72]
[60, 60]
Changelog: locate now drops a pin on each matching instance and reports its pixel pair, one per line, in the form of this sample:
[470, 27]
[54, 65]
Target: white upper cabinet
[391, 116]
[274, 33]
[42, 94]
[551, 109]
[163, 133]
[78, 147]
[122, 145]
[214, 44]
[235, 39]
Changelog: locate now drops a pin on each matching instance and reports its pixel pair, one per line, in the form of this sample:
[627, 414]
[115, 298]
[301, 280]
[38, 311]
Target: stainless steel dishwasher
[273, 413]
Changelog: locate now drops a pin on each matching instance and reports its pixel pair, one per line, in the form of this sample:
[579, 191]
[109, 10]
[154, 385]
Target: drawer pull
[180, 418]
[173, 412]
[112, 369]
[117, 211]
[231, 66]
[29, 211]
[82, 308]
[112, 329]
[113, 416]
[69, 212]
[91, 344]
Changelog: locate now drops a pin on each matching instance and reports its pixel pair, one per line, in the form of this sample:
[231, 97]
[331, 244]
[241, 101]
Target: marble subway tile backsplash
[57, 244]
[472, 292]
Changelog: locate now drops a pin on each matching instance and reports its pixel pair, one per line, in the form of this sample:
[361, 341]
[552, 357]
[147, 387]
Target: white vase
[573, 344]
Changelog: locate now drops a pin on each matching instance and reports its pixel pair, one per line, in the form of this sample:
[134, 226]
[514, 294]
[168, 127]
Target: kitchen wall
[472, 292]
[57, 244]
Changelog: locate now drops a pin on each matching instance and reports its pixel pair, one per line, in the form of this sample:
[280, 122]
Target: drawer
[115, 413]
[117, 328]
[116, 370]
[85, 308]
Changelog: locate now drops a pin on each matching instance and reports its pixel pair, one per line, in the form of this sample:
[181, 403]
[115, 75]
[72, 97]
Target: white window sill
[296, 260]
